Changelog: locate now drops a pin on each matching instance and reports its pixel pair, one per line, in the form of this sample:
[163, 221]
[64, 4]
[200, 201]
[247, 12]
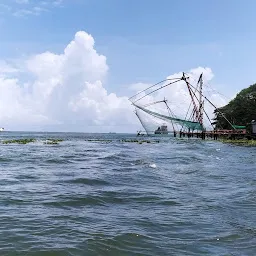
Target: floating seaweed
[99, 140]
[53, 141]
[48, 142]
[19, 141]
[242, 142]
[56, 140]
[141, 141]
[31, 140]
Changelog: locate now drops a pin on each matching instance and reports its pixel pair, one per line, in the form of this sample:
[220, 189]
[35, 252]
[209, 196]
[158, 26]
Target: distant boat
[161, 130]
[1, 129]
[140, 133]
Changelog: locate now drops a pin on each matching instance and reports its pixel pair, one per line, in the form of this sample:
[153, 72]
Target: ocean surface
[101, 194]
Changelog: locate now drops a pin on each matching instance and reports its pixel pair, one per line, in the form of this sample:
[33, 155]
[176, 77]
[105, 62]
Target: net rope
[189, 124]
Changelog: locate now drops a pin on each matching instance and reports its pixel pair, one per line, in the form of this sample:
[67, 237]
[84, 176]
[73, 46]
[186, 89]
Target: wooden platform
[228, 134]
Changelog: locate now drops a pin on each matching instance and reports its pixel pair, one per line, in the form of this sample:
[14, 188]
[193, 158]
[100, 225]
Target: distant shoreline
[244, 142]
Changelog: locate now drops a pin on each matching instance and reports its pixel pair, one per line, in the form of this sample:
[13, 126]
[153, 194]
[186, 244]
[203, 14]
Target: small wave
[25, 177]
[114, 157]
[123, 244]
[12, 201]
[139, 162]
[87, 181]
[5, 160]
[107, 198]
[152, 165]
[4, 182]
[75, 202]
[169, 202]
[58, 161]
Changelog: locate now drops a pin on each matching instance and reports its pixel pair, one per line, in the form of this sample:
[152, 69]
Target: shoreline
[241, 142]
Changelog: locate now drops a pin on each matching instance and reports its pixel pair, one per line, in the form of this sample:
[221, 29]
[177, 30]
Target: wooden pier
[215, 134]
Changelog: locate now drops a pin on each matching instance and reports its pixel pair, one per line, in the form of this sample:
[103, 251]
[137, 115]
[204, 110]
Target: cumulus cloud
[65, 92]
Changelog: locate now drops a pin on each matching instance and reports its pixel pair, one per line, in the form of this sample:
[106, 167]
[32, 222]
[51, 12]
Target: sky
[71, 65]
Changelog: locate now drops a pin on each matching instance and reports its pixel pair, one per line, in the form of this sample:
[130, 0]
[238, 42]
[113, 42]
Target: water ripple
[95, 194]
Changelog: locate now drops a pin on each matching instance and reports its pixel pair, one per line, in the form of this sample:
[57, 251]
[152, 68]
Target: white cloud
[24, 8]
[7, 68]
[36, 11]
[66, 92]
[22, 1]
[57, 2]
[4, 8]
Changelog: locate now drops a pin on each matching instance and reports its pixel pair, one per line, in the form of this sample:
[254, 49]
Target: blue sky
[144, 41]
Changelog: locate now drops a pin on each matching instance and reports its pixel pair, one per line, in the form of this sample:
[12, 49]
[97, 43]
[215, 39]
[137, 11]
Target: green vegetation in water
[19, 141]
[53, 141]
[99, 140]
[31, 140]
[56, 140]
[141, 141]
[125, 140]
[49, 142]
[242, 142]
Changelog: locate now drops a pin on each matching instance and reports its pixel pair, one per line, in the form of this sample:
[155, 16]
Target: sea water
[106, 194]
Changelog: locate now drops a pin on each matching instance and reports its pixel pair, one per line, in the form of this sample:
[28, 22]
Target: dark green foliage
[239, 111]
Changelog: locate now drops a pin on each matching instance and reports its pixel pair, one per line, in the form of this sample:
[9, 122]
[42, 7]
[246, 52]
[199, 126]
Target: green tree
[239, 111]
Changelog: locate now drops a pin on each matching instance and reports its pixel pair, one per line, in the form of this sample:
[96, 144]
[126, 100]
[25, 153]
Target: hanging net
[193, 110]
[184, 123]
[152, 124]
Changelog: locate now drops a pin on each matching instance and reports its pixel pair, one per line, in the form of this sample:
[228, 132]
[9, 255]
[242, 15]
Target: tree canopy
[239, 111]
